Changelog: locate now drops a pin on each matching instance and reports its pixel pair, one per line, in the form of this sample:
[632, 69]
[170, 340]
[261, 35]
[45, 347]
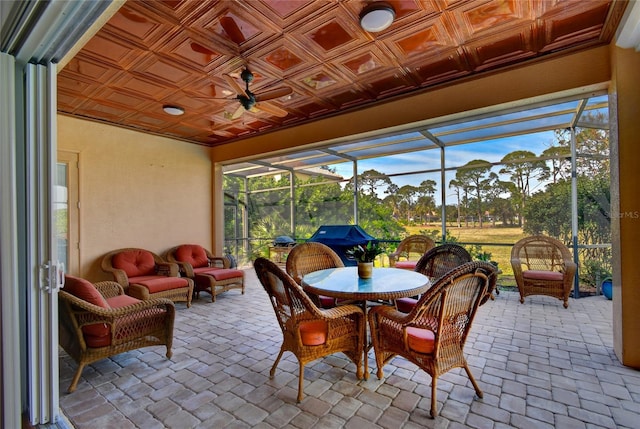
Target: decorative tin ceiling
[182, 52]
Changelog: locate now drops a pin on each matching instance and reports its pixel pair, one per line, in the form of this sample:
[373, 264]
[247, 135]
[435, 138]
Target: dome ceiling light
[173, 110]
[377, 16]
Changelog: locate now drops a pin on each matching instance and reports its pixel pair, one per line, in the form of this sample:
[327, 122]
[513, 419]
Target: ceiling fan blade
[273, 109]
[274, 93]
[234, 84]
[239, 111]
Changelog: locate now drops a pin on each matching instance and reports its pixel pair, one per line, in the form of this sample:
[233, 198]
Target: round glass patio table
[386, 284]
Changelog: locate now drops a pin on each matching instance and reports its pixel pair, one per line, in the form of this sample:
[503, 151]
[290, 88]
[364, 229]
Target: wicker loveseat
[144, 275]
[209, 273]
[99, 321]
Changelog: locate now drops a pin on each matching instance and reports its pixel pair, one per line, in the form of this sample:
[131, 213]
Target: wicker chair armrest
[185, 269]
[169, 269]
[393, 257]
[389, 312]
[119, 276]
[218, 262]
[340, 311]
[114, 313]
[109, 289]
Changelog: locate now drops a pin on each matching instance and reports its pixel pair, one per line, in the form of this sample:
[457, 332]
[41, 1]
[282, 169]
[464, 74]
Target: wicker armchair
[309, 332]
[413, 245]
[144, 275]
[99, 321]
[433, 334]
[543, 266]
[434, 264]
[209, 273]
[308, 257]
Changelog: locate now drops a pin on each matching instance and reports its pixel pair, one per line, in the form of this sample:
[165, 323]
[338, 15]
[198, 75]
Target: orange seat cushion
[406, 265]
[193, 254]
[122, 301]
[201, 270]
[313, 332]
[135, 262]
[84, 290]
[223, 273]
[543, 275]
[406, 305]
[160, 283]
[420, 340]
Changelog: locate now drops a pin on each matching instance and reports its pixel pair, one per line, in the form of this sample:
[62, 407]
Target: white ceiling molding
[628, 35]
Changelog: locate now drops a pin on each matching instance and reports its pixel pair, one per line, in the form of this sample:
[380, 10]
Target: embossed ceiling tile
[165, 71]
[449, 65]
[180, 10]
[103, 112]
[500, 50]
[83, 67]
[368, 59]
[309, 108]
[192, 52]
[140, 26]
[319, 79]
[426, 38]
[123, 99]
[209, 87]
[283, 57]
[142, 86]
[331, 35]
[237, 24]
[79, 85]
[574, 24]
[147, 120]
[289, 12]
[346, 97]
[481, 16]
[388, 83]
[104, 47]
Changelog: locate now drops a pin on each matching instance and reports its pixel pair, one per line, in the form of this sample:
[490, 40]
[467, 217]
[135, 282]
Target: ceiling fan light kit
[173, 110]
[377, 16]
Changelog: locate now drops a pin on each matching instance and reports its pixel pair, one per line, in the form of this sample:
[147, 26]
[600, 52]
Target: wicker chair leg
[76, 378]
[434, 402]
[300, 381]
[473, 380]
[275, 364]
[169, 352]
[213, 294]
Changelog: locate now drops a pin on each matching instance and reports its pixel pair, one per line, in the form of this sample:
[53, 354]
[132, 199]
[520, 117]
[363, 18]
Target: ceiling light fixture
[173, 110]
[377, 16]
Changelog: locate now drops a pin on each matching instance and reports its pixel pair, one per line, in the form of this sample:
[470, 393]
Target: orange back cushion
[135, 262]
[84, 290]
[192, 254]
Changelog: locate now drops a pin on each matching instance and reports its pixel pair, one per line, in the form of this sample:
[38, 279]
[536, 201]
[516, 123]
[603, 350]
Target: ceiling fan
[252, 102]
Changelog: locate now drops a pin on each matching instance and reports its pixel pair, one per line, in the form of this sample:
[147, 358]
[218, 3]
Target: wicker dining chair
[412, 246]
[211, 274]
[433, 334]
[98, 320]
[307, 257]
[434, 264]
[543, 266]
[309, 332]
[144, 275]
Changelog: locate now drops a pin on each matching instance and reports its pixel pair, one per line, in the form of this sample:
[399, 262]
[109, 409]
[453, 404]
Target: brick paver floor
[539, 365]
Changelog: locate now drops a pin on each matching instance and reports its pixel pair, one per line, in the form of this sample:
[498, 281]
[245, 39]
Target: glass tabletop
[386, 283]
